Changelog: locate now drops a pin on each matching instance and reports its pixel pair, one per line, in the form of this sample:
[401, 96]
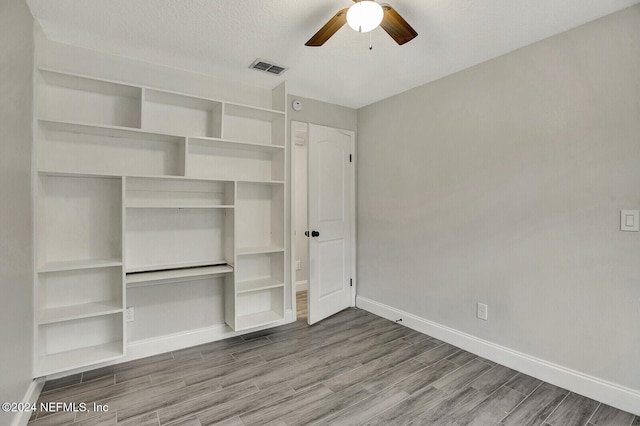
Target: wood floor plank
[535, 408]
[286, 405]
[574, 410]
[131, 365]
[282, 349]
[239, 351]
[254, 372]
[493, 379]
[201, 401]
[69, 393]
[427, 377]
[216, 372]
[416, 337]
[103, 419]
[322, 408]
[403, 353]
[189, 421]
[368, 408]
[358, 375]
[460, 378]
[447, 410]
[392, 376]
[370, 353]
[233, 409]
[207, 347]
[523, 383]
[62, 382]
[322, 374]
[55, 419]
[94, 395]
[150, 419]
[462, 357]
[146, 370]
[409, 408]
[185, 367]
[438, 353]
[122, 401]
[235, 421]
[172, 398]
[493, 408]
[606, 415]
[287, 370]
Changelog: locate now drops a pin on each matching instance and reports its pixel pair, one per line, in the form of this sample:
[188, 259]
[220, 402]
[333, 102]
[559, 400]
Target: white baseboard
[592, 387]
[172, 342]
[302, 285]
[31, 397]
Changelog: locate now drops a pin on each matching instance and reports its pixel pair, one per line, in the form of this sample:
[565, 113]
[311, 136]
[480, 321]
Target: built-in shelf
[86, 147]
[142, 279]
[250, 111]
[244, 251]
[257, 285]
[262, 182]
[175, 266]
[65, 96]
[74, 312]
[72, 265]
[62, 361]
[139, 186]
[169, 206]
[258, 319]
[237, 145]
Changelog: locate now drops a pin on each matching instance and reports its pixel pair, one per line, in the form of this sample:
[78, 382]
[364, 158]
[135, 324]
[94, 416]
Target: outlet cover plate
[630, 220]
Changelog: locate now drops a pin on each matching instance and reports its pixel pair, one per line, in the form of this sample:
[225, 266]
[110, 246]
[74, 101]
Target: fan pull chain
[370, 43]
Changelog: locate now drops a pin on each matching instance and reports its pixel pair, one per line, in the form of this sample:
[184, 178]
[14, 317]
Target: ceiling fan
[364, 16]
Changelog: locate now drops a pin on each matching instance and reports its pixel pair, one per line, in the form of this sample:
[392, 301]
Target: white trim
[302, 285]
[601, 390]
[354, 246]
[31, 396]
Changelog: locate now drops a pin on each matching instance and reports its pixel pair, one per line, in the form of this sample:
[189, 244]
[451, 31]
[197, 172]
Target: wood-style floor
[353, 368]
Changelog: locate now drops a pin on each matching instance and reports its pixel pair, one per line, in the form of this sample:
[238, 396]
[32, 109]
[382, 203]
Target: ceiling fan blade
[396, 26]
[329, 29]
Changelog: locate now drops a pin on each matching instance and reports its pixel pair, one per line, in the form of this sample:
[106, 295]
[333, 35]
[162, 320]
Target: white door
[330, 201]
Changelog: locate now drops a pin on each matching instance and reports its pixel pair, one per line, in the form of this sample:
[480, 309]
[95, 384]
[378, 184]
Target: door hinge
[351, 282]
[350, 159]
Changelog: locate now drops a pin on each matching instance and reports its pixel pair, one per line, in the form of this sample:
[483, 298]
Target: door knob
[315, 234]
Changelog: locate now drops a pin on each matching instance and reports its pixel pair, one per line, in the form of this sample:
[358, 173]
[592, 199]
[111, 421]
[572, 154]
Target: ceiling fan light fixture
[364, 16]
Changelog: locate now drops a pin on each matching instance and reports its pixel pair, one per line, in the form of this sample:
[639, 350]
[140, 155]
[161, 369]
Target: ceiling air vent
[268, 66]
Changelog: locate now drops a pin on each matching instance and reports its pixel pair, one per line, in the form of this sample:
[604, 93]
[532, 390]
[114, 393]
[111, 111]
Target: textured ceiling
[222, 37]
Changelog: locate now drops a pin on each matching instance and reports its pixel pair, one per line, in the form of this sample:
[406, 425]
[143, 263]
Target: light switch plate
[630, 220]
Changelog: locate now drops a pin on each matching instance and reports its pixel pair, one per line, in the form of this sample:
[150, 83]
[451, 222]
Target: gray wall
[16, 312]
[325, 114]
[503, 184]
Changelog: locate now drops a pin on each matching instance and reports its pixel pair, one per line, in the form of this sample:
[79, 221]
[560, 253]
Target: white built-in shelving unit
[141, 189]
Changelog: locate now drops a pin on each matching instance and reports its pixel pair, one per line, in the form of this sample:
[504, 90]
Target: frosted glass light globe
[365, 16]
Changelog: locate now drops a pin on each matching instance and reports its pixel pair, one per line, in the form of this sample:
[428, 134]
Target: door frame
[352, 219]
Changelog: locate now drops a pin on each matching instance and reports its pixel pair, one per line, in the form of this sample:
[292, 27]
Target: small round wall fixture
[297, 105]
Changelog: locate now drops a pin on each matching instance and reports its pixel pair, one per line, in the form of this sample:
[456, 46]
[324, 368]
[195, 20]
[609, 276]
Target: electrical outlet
[298, 267]
[483, 311]
[130, 314]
